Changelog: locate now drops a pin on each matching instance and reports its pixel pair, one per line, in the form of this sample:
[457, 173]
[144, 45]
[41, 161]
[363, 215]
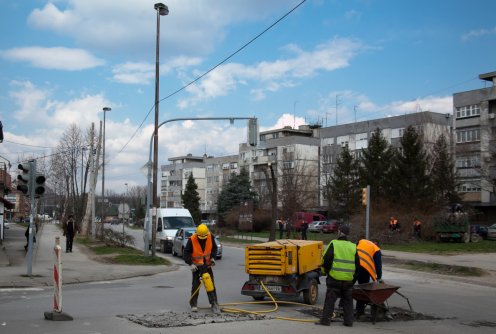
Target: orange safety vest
[393, 222]
[366, 250]
[199, 256]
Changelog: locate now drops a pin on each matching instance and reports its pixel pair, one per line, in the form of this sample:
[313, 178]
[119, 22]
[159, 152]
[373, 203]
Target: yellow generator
[285, 268]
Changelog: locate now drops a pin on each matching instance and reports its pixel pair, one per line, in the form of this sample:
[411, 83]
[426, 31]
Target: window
[397, 133]
[469, 135]
[288, 165]
[343, 140]
[361, 136]
[468, 161]
[468, 111]
[469, 186]
[233, 165]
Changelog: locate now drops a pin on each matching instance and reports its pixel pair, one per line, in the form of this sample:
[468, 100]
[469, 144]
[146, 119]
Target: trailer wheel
[475, 237]
[311, 294]
[466, 238]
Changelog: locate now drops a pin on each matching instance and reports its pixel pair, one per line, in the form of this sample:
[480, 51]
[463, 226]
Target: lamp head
[161, 8]
[106, 109]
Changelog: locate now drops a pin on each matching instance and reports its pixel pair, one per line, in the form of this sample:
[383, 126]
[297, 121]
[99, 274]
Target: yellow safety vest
[343, 264]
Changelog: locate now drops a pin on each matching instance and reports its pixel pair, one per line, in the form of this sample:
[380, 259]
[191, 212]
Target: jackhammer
[208, 283]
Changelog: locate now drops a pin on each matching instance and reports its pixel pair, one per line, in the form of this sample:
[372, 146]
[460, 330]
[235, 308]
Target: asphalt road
[96, 307]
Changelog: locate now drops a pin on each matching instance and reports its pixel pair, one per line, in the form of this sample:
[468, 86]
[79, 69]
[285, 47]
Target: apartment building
[356, 135]
[210, 174]
[475, 138]
[287, 152]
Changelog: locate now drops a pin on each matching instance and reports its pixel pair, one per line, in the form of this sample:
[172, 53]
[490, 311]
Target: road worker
[417, 227]
[340, 263]
[370, 268]
[199, 254]
[393, 224]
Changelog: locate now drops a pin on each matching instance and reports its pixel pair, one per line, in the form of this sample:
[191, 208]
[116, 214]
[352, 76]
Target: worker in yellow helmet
[200, 253]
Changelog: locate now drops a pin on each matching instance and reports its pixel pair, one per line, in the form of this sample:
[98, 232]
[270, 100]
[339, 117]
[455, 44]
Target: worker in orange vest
[370, 267]
[417, 226]
[199, 254]
[393, 224]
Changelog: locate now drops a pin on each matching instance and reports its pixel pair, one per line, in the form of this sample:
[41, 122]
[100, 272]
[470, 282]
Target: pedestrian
[199, 254]
[280, 224]
[339, 262]
[370, 268]
[70, 230]
[26, 234]
[304, 228]
[417, 227]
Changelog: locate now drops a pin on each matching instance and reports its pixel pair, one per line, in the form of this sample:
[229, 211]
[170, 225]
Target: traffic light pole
[367, 214]
[32, 168]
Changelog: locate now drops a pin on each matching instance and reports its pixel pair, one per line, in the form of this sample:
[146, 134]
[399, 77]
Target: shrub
[114, 238]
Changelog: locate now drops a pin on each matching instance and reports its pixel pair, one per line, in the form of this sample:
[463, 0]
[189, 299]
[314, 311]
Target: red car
[330, 226]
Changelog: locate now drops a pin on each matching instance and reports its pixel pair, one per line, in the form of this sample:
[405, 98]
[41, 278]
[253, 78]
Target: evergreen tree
[443, 174]
[237, 190]
[191, 199]
[411, 185]
[375, 165]
[344, 184]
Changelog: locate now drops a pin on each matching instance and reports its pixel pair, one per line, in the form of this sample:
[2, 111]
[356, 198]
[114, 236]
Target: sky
[286, 62]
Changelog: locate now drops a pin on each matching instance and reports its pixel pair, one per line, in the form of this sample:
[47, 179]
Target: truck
[284, 268]
[453, 226]
[168, 221]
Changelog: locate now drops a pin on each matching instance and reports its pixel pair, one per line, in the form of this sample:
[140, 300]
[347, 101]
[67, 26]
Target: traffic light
[39, 185]
[253, 131]
[24, 179]
[364, 196]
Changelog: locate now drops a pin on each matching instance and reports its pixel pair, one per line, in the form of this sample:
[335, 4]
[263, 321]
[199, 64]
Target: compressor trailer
[284, 268]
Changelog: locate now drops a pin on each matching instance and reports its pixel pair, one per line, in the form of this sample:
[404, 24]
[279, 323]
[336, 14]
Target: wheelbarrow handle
[407, 300]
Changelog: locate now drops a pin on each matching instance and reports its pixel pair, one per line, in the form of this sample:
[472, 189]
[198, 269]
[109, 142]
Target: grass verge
[437, 268]
[119, 255]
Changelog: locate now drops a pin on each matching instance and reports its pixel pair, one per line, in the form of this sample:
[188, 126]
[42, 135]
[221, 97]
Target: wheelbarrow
[376, 294]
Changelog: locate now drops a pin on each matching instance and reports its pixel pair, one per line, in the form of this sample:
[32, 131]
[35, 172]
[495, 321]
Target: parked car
[181, 239]
[491, 232]
[316, 226]
[331, 226]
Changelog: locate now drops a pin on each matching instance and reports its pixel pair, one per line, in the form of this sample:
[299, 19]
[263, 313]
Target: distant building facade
[475, 138]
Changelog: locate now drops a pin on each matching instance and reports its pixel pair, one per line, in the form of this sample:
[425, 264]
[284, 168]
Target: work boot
[323, 322]
[216, 308]
[194, 309]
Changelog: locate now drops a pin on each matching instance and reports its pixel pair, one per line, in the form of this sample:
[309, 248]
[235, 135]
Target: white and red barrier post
[57, 313]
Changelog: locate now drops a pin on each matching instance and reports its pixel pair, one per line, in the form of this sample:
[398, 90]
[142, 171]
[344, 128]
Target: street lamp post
[162, 10]
[102, 218]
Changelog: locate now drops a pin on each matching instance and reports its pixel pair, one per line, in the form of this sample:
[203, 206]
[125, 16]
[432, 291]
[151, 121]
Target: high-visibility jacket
[201, 256]
[393, 222]
[343, 264]
[366, 250]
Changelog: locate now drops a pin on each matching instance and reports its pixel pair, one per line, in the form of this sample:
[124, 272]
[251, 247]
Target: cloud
[144, 73]
[473, 34]
[54, 58]
[272, 76]
[191, 27]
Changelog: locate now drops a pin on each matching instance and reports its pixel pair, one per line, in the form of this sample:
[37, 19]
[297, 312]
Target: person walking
[339, 262]
[70, 230]
[199, 254]
[280, 224]
[370, 268]
[393, 224]
[304, 228]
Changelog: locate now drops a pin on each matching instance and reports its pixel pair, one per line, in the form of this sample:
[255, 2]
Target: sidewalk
[77, 267]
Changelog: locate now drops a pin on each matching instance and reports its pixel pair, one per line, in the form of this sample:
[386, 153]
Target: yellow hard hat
[202, 231]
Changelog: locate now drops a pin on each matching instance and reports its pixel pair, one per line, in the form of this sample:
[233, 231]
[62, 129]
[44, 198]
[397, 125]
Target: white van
[169, 220]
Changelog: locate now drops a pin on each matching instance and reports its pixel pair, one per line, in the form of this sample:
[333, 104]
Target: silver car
[181, 239]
